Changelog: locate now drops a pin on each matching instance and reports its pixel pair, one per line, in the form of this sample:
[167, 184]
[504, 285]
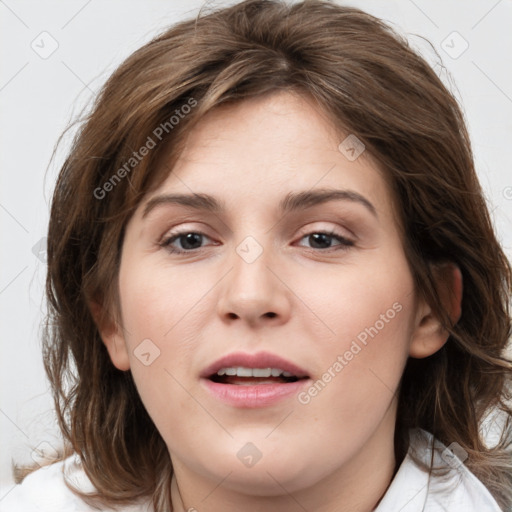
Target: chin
[268, 476]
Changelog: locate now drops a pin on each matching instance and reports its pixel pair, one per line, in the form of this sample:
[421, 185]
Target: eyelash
[166, 243]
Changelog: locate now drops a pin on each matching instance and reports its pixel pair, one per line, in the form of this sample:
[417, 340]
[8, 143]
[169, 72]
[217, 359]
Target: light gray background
[38, 97]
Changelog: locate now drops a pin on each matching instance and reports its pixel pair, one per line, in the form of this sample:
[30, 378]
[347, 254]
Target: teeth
[261, 372]
[241, 371]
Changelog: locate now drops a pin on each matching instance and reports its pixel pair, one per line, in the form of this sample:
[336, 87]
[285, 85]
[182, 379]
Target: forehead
[257, 150]
[275, 131]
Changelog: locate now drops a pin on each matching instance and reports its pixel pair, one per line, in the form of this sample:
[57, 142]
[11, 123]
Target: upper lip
[259, 360]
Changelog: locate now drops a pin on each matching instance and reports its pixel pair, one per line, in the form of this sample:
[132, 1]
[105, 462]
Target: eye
[192, 240]
[323, 240]
[189, 240]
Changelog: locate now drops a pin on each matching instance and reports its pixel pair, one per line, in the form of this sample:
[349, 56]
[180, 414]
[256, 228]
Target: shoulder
[452, 488]
[45, 490]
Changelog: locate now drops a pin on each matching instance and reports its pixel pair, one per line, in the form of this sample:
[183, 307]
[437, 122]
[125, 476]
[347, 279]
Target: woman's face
[272, 277]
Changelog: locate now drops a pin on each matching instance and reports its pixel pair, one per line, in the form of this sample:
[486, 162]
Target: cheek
[158, 301]
[366, 310]
[357, 299]
[161, 310]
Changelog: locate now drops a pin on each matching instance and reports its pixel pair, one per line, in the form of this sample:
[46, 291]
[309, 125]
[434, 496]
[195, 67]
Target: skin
[198, 306]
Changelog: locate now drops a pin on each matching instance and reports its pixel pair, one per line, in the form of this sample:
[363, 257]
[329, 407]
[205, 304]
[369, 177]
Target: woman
[334, 337]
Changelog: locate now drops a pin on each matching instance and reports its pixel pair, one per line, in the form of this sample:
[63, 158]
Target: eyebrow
[293, 201]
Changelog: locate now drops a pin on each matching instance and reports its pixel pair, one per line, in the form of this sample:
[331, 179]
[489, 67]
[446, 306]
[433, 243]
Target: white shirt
[410, 491]
[458, 491]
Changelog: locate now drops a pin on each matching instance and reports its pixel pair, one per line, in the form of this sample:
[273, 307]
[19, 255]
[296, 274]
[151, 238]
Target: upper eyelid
[305, 229]
[167, 237]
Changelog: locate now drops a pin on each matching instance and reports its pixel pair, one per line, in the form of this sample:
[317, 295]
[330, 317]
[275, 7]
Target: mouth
[243, 376]
[253, 380]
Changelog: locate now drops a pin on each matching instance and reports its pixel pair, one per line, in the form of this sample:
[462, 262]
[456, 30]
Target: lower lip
[250, 397]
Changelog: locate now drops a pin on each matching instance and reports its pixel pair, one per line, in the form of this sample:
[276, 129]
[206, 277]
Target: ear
[112, 336]
[429, 335]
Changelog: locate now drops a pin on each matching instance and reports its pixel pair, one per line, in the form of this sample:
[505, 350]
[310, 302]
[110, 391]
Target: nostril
[271, 314]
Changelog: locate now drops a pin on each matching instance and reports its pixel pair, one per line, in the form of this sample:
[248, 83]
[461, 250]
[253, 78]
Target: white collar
[456, 491]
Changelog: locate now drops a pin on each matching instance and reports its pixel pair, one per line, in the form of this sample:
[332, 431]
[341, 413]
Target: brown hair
[370, 83]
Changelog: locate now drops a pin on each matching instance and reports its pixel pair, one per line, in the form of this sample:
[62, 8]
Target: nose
[255, 291]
